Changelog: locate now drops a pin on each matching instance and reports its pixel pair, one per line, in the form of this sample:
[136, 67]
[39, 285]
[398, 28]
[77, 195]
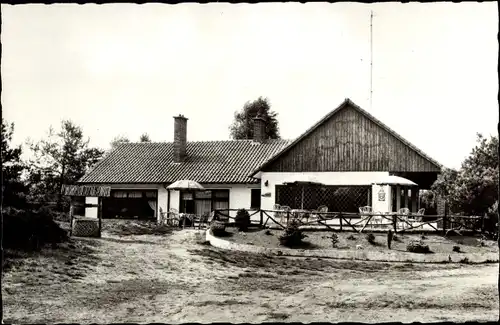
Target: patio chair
[403, 213]
[365, 213]
[315, 214]
[378, 219]
[420, 217]
[173, 217]
[277, 212]
[284, 212]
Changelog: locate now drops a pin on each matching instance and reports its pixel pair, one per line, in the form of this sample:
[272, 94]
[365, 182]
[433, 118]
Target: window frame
[213, 198]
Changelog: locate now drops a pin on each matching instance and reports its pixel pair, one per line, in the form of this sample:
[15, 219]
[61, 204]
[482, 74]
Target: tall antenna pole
[371, 58]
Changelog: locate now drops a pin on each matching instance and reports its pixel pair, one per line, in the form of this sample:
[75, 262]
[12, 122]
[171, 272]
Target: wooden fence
[340, 221]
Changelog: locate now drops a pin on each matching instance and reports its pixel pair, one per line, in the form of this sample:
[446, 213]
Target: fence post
[340, 218]
[395, 223]
[71, 217]
[261, 222]
[445, 219]
[99, 213]
[287, 216]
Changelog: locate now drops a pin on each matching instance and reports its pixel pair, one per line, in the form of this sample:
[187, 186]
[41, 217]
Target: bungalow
[346, 154]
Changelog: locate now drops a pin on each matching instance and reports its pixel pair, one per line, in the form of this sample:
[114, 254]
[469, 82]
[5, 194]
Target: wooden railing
[336, 221]
[339, 221]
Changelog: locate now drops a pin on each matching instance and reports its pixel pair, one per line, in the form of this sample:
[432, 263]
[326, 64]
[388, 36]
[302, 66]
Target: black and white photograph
[248, 163]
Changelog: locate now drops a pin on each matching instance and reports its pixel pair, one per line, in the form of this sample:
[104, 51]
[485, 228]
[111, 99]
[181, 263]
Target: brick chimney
[259, 129]
[180, 138]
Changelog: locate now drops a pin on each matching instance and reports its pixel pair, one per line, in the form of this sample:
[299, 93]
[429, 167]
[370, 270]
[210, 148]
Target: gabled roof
[206, 162]
[345, 103]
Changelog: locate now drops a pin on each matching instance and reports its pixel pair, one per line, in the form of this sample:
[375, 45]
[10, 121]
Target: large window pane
[203, 195]
[203, 207]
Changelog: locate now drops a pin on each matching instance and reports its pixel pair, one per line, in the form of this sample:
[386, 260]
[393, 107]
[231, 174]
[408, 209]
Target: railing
[339, 221]
[335, 221]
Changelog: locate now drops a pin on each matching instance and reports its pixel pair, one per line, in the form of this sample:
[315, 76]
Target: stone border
[358, 255]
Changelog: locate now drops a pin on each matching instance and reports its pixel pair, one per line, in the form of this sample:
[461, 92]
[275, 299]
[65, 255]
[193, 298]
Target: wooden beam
[414, 196]
[405, 196]
[398, 197]
[99, 215]
[71, 217]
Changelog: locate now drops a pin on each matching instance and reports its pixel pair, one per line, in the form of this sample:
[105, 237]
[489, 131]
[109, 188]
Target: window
[255, 198]
[203, 202]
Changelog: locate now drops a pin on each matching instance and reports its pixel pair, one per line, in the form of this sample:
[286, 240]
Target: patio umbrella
[186, 185]
[394, 180]
[303, 184]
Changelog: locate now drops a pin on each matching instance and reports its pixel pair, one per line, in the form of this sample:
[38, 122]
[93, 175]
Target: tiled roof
[206, 162]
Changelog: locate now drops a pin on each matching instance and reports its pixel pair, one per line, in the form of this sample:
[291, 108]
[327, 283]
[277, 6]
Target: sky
[126, 69]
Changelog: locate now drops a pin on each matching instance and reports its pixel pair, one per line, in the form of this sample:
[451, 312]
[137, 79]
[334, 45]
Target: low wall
[360, 255]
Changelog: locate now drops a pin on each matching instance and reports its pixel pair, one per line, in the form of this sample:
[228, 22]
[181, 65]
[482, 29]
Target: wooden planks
[349, 141]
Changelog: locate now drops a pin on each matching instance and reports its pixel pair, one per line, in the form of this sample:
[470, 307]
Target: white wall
[239, 196]
[381, 201]
[327, 178]
[91, 212]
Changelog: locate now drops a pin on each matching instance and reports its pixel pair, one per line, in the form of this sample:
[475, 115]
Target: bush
[417, 246]
[218, 228]
[335, 239]
[292, 235]
[464, 260]
[351, 237]
[370, 238]
[456, 249]
[30, 230]
[396, 238]
[268, 232]
[242, 220]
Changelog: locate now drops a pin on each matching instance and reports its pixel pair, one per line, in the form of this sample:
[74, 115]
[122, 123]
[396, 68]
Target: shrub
[30, 230]
[335, 239]
[456, 249]
[417, 246]
[218, 228]
[423, 237]
[268, 232]
[370, 238]
[351, 237]
[396, 238]
[464, 260]
[292, 235]
[242, 220]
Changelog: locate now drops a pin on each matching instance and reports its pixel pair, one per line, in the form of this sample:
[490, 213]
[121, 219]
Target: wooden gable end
[350, 141]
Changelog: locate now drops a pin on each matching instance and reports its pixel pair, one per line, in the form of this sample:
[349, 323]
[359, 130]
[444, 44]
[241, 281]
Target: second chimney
[180, 138]
[259, 129]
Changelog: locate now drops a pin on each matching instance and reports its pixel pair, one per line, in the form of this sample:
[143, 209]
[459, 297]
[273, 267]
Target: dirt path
[173, 279]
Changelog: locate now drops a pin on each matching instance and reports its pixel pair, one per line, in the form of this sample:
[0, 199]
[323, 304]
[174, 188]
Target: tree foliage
[145, 138]
[13, 188]
[62, 158]
[117, 140]
[243, 124]
[474, 188]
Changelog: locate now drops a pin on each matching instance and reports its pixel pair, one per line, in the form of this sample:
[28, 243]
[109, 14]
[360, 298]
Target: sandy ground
[174, 278]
